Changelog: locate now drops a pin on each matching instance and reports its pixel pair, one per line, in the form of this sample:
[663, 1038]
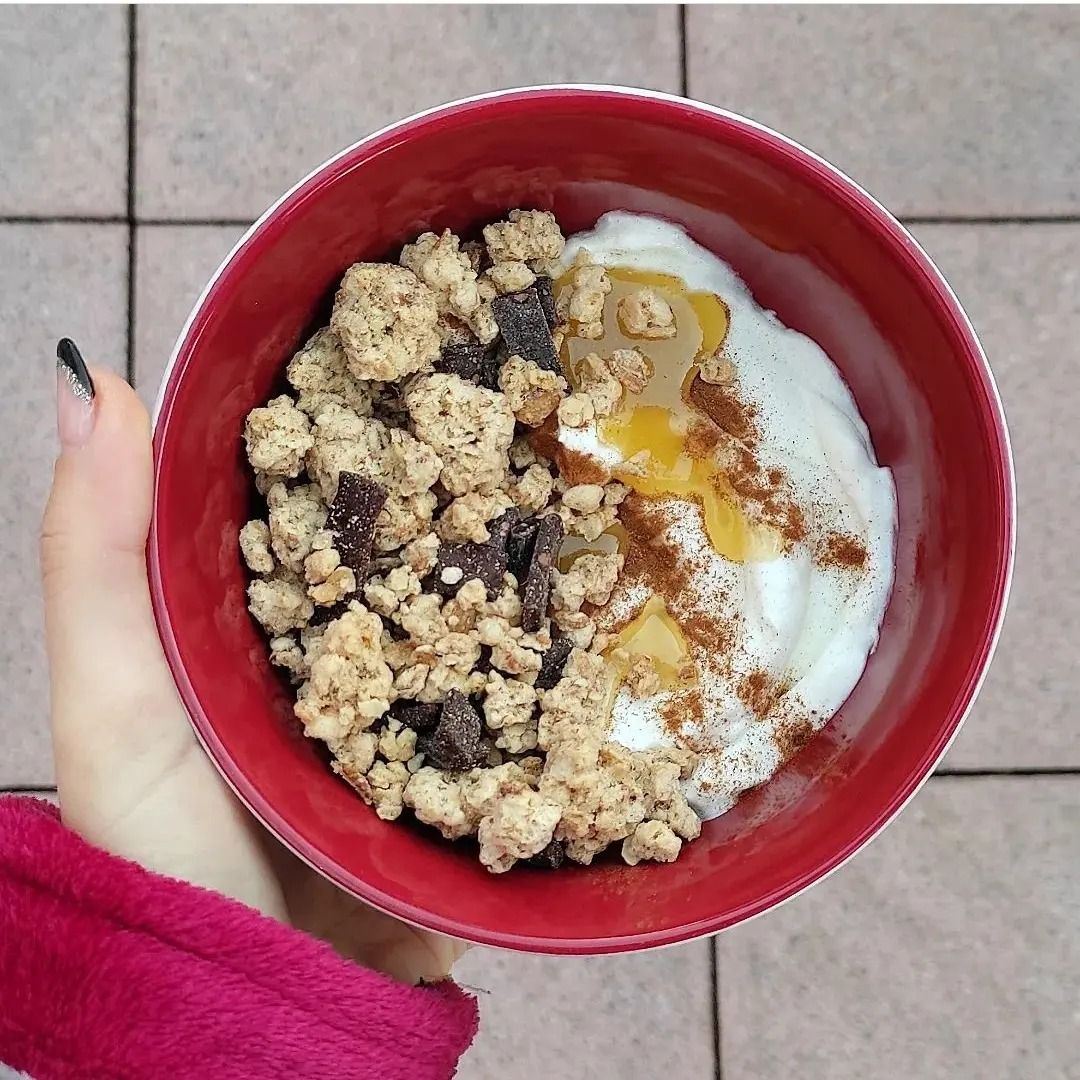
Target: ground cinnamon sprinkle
[545, 439]
[842, 550]
[683, 711]
[763, 494]
[722, 406]
[665, 569]
[711, 632]
[792, 735]
[574, 467]
[757, 691]
[702, 440]
[642, 517]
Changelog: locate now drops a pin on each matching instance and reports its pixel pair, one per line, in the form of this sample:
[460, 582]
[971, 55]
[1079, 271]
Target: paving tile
[1021, 287]
[937, 110]
[948, 949]
[565, 1018]
[63, 126]
[55, 280]
[172, 264]
[220, 138]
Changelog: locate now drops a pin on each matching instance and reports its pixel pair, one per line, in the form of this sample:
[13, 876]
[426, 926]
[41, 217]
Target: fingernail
[74, 395]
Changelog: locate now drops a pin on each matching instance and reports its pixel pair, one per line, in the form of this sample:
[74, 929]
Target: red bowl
[813, 246]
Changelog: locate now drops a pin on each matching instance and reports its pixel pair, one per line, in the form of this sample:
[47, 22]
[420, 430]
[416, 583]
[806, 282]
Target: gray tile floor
[951, 949]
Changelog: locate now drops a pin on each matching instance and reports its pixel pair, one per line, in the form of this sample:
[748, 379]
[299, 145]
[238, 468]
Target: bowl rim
[857, 199]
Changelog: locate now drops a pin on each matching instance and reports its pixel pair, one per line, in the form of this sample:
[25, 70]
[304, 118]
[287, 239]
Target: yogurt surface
[801, 624]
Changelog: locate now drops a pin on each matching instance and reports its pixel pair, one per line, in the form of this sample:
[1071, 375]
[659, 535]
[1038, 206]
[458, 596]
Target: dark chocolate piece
[545, 290]
[351, 519]
[535, 595]
[489, 369]
[554, 660]
[551, 857]
[463, 360]
[519, 547]
[524, 327]
[484, 561]
[483, 665]
[331, 611]
[542, 559]
[499, 530]
[455, 742]
[420, 716]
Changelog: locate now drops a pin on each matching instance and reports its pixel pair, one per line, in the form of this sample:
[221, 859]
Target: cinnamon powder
[722, 406]
[792, 735]
[843, 550]
[757, 691]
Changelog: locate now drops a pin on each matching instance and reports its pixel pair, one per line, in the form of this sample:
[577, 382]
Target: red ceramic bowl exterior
[812, 246]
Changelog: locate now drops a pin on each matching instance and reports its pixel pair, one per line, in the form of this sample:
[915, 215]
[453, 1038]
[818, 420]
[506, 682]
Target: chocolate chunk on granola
[420, 716]
[489, 370]
[535, 595]
[524, 327]
[551, 857]
[545, 290]
[458, 563]
[351, 519]
[500, 529]
[553, 662]
[519, 546]
[463, 360]
[455, 743]
[330, 612]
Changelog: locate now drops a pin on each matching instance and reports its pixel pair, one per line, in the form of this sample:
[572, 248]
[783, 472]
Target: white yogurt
[810, 626]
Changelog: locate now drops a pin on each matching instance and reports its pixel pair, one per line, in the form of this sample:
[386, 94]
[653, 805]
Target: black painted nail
[71, 364]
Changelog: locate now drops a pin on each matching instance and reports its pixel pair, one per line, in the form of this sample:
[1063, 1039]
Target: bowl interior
[811, 247]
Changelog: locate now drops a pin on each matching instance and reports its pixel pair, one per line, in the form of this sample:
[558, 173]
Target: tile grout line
[130, 219]
[243, 223]
[714, 970]
[684, 68]
[1035, 771]
[990, 219]
[63, 219]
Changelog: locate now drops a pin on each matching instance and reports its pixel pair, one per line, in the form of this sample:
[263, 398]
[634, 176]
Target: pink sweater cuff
[108, 970]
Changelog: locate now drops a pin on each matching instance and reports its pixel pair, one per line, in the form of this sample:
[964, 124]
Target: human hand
[131, 776]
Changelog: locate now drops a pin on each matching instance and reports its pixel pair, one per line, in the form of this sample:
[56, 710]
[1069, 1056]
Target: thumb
[131, 776]
[108, 679]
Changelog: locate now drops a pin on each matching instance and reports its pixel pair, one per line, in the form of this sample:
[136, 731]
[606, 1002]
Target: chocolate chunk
[551, 857]
[489, 370]
[534, 597]
[545, 290]
[331, 611]
[471, 361]
[554, 660]
[519, 547]
[483, 665]
[486, 561]
[524, 327]
[455, 742]
[351, 519]
[420, 716]
[463, 360]
[499, 530]
[458, 563]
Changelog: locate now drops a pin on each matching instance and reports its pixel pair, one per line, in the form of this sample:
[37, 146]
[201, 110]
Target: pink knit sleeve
[108, 970]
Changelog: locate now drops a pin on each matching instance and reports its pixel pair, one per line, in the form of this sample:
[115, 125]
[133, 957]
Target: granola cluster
[407, 570]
